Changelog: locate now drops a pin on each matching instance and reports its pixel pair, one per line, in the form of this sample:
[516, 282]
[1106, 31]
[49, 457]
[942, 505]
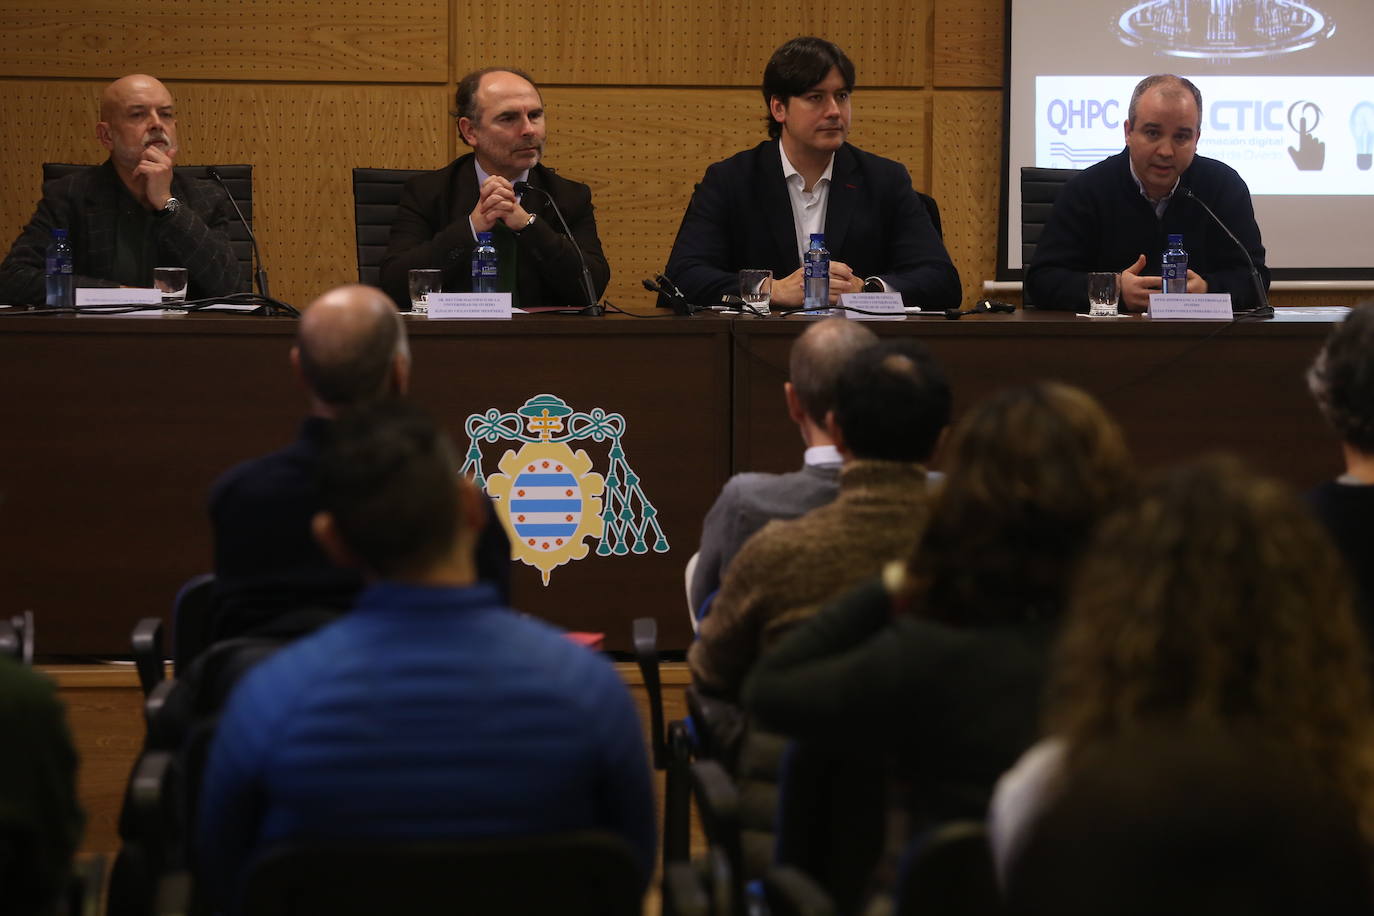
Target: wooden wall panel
[643, 150]
[344, 40]
[969, 43]
[966, 177]
[720, 43]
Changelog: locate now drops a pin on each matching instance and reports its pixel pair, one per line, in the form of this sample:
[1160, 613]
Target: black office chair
[1039, 188]
[934, 210]
[718, 802]
[376, 193]
[948, 872]
[575, 874]
[16, 637]
[237, 178]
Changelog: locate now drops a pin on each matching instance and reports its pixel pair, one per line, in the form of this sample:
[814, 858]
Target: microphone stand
[593, 307]
[261, 273]
[1264, 309]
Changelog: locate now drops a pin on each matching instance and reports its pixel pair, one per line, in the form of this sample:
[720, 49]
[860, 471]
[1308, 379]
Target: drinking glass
[756, 288]
[171, 281]
[422, 283]
[1104, 291]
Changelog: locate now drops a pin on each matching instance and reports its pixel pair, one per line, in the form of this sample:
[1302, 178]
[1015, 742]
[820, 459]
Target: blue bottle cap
[1175, 241]
[483, 237]
[818, 240]
[59, 233]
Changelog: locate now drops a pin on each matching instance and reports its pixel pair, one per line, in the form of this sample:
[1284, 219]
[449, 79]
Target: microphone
[253, 239]
[1264, 309]
[593, 307]
[666, 288]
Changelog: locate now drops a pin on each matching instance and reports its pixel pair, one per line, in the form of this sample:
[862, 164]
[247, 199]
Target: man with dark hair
[758, 208]
[431, 711]
[272, 578]
[1118, 214]
[500, 114]
[891, 405]
[751, 500]
[131, 213]
[1342, 382]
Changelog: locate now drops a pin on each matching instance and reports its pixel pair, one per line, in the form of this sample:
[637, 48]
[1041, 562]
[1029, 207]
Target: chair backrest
[376, 193]
[575, 874]
[16, 637]
[191, 623]
[237, 178]
[948, 872]
[718, 802]
[1039, 188]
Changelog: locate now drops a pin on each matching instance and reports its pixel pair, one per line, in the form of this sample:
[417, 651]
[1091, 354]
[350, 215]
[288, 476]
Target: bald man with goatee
[131, 213]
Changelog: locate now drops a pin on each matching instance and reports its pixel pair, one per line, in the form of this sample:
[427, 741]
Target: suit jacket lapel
[845, 182]
[777, 205]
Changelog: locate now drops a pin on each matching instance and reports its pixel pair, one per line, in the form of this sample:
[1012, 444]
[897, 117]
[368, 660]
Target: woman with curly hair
[941, 660]
[1213, 600]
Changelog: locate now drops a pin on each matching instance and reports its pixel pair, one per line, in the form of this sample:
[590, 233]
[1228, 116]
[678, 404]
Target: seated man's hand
[497, 203]
[154, 174]
[1135, 289]
[1195, 283]
[843, 280]
[788, 292]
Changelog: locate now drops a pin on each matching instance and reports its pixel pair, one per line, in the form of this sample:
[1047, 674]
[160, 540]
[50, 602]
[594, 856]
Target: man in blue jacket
[431, 711]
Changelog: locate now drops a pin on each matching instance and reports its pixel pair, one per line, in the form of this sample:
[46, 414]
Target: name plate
[117, 296]
[469, 305]
[888, 306]
[1209, 306]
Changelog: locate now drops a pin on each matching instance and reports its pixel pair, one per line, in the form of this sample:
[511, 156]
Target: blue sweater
[425, 713]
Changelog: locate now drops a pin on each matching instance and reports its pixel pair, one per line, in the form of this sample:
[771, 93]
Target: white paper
[86, 295]
[1208, 306]
[469, 305]
[889, 305]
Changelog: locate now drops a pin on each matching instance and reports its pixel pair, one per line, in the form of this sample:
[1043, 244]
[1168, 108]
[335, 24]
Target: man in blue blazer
[758, 208]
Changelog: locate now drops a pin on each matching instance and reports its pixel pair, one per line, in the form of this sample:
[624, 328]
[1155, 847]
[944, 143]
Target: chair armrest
[148, 655]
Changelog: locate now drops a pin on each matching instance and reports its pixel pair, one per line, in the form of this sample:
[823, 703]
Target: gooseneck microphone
[593, 307]
[666, 288]
[1264, 309]
[261, 273]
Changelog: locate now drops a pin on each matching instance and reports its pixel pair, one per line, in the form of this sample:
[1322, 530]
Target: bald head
[351, 347]
[136, 112]
[817, 358]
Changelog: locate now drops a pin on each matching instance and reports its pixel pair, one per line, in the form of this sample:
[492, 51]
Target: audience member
[131, 213]
[40, 821]
[1342, 381]
[1214, 600]
[891, 405]
[749, 501]
[759, 207]
[431, 710]
[272, 578]
[941, 660]
[500, 114]
[1194, 821]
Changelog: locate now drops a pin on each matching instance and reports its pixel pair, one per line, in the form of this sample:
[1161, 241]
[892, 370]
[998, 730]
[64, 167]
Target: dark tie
[508, 275]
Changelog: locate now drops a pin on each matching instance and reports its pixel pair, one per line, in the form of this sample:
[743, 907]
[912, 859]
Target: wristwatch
[528, 223]
[873, 285]
[171, 207]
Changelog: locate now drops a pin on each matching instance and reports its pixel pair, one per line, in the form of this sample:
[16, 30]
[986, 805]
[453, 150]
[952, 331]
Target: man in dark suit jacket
[757, 208]
[131, 213]
[501, 116]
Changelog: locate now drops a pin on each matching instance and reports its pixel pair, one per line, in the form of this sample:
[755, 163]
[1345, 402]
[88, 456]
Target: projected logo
[548, 496]
[1221, 29]
[1310, 153]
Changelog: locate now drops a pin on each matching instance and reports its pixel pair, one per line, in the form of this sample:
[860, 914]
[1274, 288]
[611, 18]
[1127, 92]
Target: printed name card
[888, 306]
[1209, 306]
[469, 305]
[117, 296]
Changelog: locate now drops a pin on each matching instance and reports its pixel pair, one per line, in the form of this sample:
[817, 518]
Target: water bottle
[485, 265]
[816, 293]
[1175, 272]
[58, 273]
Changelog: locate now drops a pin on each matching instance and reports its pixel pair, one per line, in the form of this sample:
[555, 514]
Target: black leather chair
[948, 872]
[934, 210]
[16, 637]
[718, 803]
[237, 178]
[1039, 188]
[376, 193]
[576, 874]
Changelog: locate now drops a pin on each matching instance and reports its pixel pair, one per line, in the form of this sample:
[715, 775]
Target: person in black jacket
[1118, 214]
[501, 116]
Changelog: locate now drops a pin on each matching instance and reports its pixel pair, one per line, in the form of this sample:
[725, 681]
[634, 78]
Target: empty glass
[422, 283]
[1104, 291]
[171, 281]
[756, 288]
